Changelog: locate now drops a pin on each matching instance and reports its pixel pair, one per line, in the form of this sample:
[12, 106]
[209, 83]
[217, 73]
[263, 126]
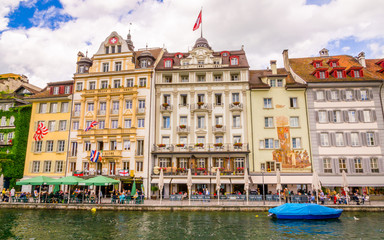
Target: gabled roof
[155, 52]
[255, 76]
[32, 88]
[372, 66]
[45, 93]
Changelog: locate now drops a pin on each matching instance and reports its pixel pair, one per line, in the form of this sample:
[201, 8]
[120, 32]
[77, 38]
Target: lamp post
[262, 174]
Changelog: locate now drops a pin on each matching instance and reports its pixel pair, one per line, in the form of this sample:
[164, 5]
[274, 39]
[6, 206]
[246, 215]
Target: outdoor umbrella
[161, 183]
[316, 184]
[1, 182]
[39, 180]
[133, 190]
[218, 185]
[278, 185]
[100, 181]
[70, 180]
[189, 185]
[345, 185]
[246, 182]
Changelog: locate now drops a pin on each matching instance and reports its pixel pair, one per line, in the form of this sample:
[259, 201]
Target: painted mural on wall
[289, 159]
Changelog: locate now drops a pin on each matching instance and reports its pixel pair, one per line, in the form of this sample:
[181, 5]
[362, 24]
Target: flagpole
[201, 21]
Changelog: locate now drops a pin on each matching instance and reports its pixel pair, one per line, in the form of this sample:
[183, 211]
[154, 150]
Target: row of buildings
[204, 110]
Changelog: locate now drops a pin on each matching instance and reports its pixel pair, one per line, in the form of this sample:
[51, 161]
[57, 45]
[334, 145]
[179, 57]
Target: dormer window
[321, 73]
[356, 72]
[317, 63]
[179, 55]
[81, 69]
[113, 49]
[338, 72]
[107, 50]
[143, 63]
[56, 90]
[381, 63]
[224, 53]
[119, 48]
[333, 62]
[168, 63]
[234, 60]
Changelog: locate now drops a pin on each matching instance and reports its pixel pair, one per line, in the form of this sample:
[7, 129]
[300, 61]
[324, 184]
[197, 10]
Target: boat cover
[304, 210]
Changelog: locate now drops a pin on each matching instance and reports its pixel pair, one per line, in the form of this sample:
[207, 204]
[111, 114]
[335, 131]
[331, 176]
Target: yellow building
[279, 128]
[48, 156]
[113, 89]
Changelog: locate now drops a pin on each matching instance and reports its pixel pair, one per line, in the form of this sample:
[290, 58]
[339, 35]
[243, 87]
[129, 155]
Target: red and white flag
[40, 132]
[198, 22]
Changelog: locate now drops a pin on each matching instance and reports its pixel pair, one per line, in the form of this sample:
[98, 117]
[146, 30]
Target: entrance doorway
[238, 188]
[182, 188]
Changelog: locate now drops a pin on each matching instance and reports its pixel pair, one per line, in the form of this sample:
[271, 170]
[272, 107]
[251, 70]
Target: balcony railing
[182, 129]
[107, 131]
[76, 114]
[218, 129]
[101, 112]
[114, 111]
[140, 110]
[183, 105]
[165, 108]
[201, 107]
[200, 171]
[212, 147]
[113, 91]
[236, 106]
[111, 153]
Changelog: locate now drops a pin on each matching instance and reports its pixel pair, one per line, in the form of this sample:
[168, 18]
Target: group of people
[6, 194]
[126, 195]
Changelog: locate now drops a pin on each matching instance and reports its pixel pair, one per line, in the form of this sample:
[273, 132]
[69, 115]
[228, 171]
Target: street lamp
[262, 174]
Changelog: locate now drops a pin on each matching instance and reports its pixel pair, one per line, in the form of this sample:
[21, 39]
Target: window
[12, 121]
[339, 74]
[296, 143]
[2, 137]
[358, 165]
[105, 67]
[164, 162]
[183, 99]
[268, 122]
[63, 125]
[374, 165]
[142, 82]
[337, 116]
[327, 165]
[130, 82]
[128, 104]
[217, 78]
[168, 63]
[116, 83]
[72, 166]
[293, 102]
[60, 145]
[367, 116]
[343, 165]
[236, 121]
[64, 107]
[49, 147]
[119, 48]
[140, 147]
[235, 97]
[168, 79]
[102, 107]
[59, 166]
[115, 107]
[104, 84]
[219, 120]
[3, 121]
[143, 63]
[183, 120]
[73, 149]
[270, 166]
[77, 108]
[201, 162]
[183, 140]
[47, 166]
[36, 166]
[117, 66]
[10, 136]
[141, 104]
[239, 163]
[43, 108]
[321, 74]
[364, 95]
[234, 77]
[349, 95]
[113, 145]
[200, 98]
[339, 139]
[236, 139]
[324, 139]
[219, 139]
[87, 145]
[107, 50]
[53, 108]
[90, 107]
[356, 73]
[267, 102]
[140, 122]
[268, 143]
[370, 139]
[127, 123]
[218, 99]
[201, 139]
[184, 79]
[201, 122]
[335, 95]
[114, 124]
[272, 82]
[277, 144]
[56, 90]
[201, 62]
[355, 139]
[79, 86]
[280, 82]
[165, 140]
[294, 121]
[51, 126]
[167, 98]
[126, 165]
[92, 85]
[127, 145]
[234, 61]
[166, 122]
[67, 89]
[101, 124]
[352, 116]
[201, 78]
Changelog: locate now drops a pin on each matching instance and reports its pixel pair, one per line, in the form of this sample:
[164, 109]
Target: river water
[60, 224]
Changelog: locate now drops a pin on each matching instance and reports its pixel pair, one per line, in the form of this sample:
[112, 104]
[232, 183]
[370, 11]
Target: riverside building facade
[200, 118]
[113, 89]
[345, 118]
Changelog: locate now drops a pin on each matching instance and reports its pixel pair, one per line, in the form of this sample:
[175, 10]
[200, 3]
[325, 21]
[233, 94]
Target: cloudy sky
[40, 38]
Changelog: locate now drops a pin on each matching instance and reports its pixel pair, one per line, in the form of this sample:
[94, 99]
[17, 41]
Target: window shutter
[351, 165]
[318, 139]
[366, 165]
[315, 95]
[66, 125]
[321, 165]
[58, 108]
[65, 146]
[51, 90]
[37, 107]
[342, 117]
[327, 74]
[358, 95]
[370, 94]
[317, 116]
[328, 95]
[61, 90]
[342, 95]
[57, 123]
[71, 89]
[35, 127]
[361, 73]
[363, 139]
[348, 139]
[336, 165]
[330, 116]
[332, 139]
[48, 107]
[373, 115]
[261, 144]
[360, 115]
[353, 95]
[377, 139]
[344, 74]
[43, 146]
[380, 164]
[346, 118]
[33, 146]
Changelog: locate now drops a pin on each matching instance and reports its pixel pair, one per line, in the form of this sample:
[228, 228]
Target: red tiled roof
[372, 66]
[256, 75]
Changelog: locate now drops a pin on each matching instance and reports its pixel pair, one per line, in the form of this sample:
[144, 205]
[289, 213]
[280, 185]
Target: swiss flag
[198, 22]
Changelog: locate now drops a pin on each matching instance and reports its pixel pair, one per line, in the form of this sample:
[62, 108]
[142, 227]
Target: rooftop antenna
[146, 46]
[86, 53]
[129, 29]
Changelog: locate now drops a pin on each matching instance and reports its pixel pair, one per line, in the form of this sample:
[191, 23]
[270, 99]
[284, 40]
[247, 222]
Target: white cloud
[264, 27]
[377, 50]
[346, 48]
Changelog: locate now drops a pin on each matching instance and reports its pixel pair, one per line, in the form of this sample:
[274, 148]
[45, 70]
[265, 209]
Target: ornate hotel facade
[200, 118]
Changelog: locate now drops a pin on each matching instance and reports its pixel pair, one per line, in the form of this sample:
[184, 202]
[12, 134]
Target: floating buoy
[257, 215]
[93, 210]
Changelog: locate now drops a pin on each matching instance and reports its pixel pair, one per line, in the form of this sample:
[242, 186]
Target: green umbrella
[100, 181]
[133, 191]
[40, 180]
[70, 180]
[56, 188]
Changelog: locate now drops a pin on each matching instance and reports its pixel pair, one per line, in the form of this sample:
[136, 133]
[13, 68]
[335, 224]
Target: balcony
[140, 111]
[197, 171]
[182, 129]
[165, 107]
[114, 111]
[101, 112]
[201, 106]
[181, 105]
[111, 153]
[107, 131]
[218, 129]
[110, 91]
[236, 106]
[76, 114]
[196, 148]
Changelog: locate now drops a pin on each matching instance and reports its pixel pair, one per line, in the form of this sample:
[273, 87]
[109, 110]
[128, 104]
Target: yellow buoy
[257, 215]
[93, 210]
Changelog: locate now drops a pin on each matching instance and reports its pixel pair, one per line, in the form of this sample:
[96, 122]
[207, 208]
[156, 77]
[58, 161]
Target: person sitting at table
[122, 197]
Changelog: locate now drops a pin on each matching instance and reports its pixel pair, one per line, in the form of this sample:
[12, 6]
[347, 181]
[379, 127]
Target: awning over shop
[353, 181]
[179, 181]
[201, 181]
[166, 180]
[222, 181]
[284, 179]
[237, 180]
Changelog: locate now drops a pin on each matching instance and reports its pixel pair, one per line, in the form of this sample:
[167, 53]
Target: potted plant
[165, 104]
[221, 169]
[218, 144]
[199, 144]
[238, 144]
[181, 170]
[236, 103]
[200, 104]
[240, 169]
[201, 169]
[154, 189]
[219, 126]
[164, 168]
[182, 126]
[161, 145]
[180, 145]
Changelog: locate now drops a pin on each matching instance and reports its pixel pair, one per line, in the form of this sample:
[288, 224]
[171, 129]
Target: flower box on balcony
[200, 169]
[218, 144]
[219, 126]
[181, 170]
[236, 103]
[238, 144]
[165, 105]
[199, 144]
[180, 145]
[164, 168]
[239, 169]
[161, 145]
[182, 126]
[200, 104]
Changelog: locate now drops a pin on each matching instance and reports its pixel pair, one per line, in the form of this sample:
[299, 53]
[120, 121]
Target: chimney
[286, 60]
[361, 58]
[324, 52]
[273, 67]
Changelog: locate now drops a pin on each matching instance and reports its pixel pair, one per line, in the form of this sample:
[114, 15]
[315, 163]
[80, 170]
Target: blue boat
[304, 211]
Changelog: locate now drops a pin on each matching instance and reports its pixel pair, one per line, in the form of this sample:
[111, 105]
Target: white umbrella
[278, 185]
[1, 182]
[218, 185]
[246, 183]
[189, 185]
[161, 183]
[345, 185]
[316, 184]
